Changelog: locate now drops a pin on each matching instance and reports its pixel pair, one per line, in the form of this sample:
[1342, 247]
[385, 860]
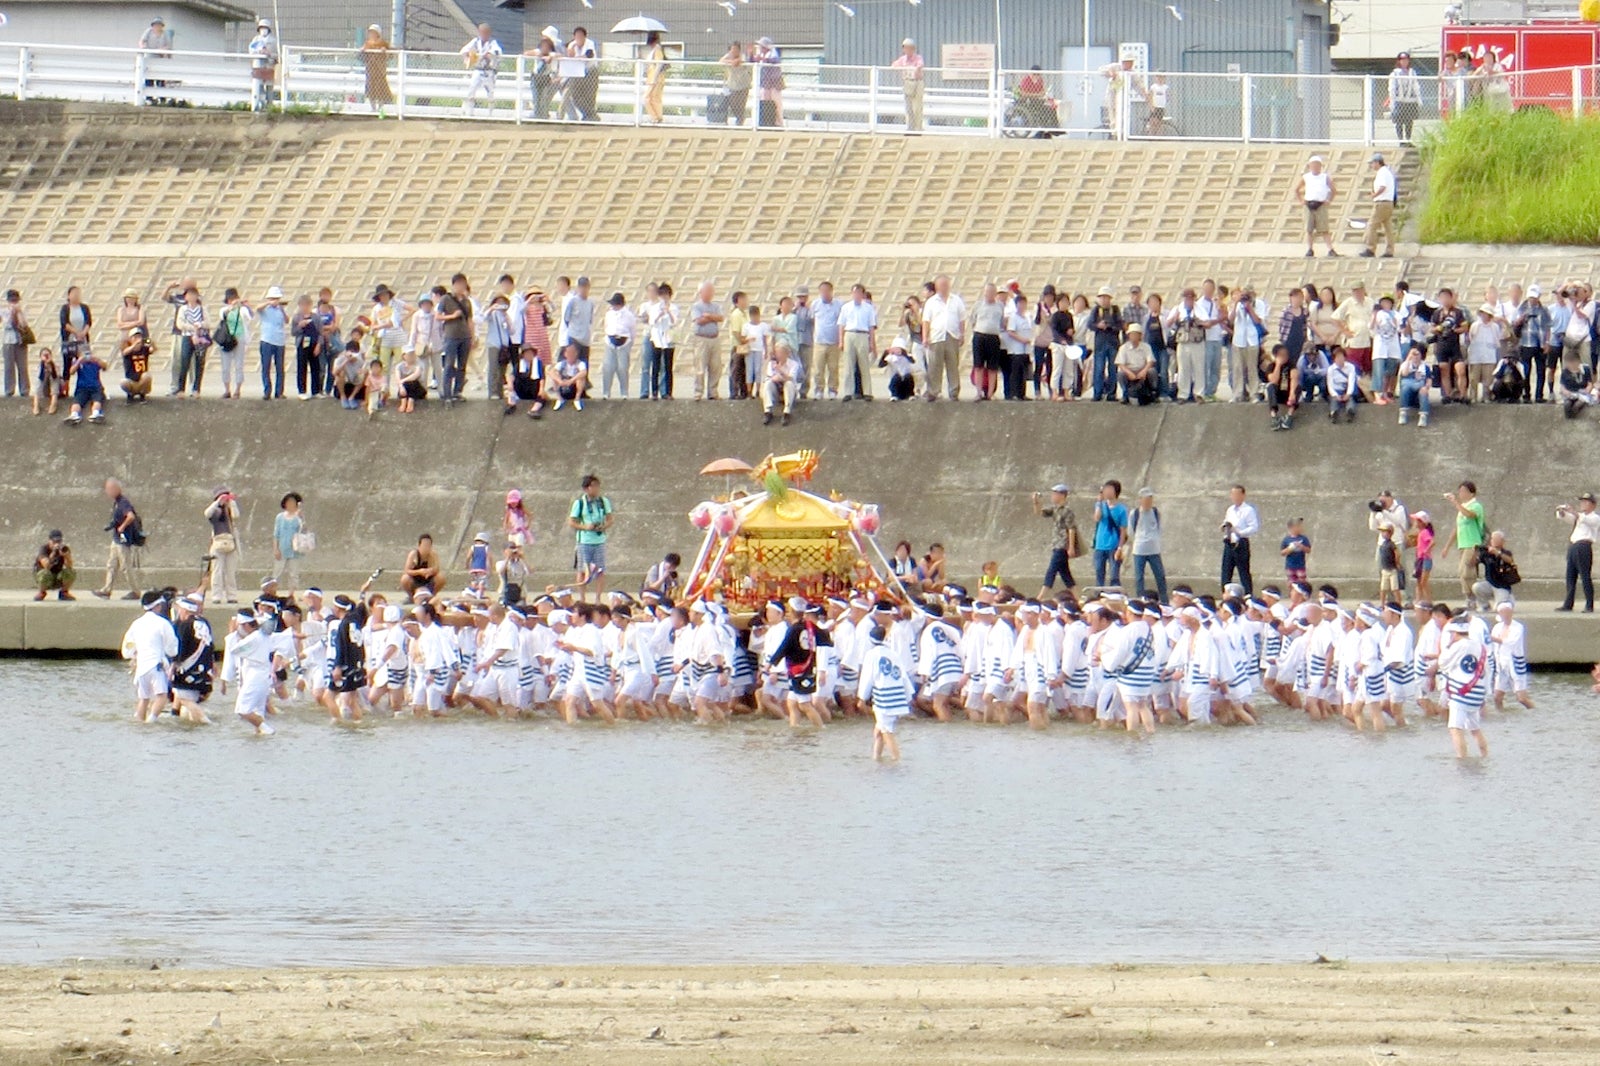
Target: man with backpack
[1144, 534]
[127, 544]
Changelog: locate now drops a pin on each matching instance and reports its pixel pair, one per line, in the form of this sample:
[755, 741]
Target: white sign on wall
[966, 62]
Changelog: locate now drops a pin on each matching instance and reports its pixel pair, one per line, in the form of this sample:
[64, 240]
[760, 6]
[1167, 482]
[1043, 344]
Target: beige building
[1373, 30]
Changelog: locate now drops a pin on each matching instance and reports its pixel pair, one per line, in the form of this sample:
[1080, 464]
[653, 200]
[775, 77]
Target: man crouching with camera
[53, 570]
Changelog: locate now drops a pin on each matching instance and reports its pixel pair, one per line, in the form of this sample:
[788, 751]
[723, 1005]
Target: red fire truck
[1537, 49]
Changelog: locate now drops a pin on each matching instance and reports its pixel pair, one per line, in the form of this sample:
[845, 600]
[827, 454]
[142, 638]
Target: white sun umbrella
[640, 24]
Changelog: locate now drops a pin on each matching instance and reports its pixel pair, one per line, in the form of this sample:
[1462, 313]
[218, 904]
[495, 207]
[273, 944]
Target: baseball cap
[1060, 487]
[1589, 496]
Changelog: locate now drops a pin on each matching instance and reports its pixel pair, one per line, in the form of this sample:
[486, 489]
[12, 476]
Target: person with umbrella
[655, 76]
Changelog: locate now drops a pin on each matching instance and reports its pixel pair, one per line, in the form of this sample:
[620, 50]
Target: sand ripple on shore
[1314, 1014]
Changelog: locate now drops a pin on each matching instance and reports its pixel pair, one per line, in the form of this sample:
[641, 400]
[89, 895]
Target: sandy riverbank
[1476, 1013]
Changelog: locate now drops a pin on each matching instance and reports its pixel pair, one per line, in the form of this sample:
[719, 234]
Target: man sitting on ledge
[53, 570]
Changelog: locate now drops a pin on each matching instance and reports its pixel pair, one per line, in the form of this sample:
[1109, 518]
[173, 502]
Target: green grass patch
[1528, 177]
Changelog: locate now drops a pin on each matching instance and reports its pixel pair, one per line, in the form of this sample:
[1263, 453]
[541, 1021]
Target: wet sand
[1473, 1013]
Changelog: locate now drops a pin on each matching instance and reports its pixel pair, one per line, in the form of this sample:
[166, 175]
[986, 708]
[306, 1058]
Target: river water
[490, 842]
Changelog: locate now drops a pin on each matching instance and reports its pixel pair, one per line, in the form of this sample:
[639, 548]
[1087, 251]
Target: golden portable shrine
[780, 540]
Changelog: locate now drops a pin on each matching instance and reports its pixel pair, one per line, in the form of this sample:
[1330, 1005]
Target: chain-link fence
[1098, 104]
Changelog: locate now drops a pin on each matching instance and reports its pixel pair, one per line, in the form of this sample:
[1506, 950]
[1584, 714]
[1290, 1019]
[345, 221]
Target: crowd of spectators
[569, 346]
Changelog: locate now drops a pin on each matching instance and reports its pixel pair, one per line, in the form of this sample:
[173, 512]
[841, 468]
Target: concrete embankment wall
[957, 473]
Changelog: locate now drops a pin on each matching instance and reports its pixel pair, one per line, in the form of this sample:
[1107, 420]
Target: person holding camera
[127, 544]
[1239, 523]
[1500, 573]
[1580, 550]
[53, 570]
[590, 517]
[1385, 510]
[223, 513]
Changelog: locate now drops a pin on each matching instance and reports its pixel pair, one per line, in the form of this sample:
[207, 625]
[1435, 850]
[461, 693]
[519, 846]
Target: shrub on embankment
[1528, 177]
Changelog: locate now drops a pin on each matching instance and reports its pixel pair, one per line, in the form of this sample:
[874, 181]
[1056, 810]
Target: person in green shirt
[591, 516]
[1470, 535]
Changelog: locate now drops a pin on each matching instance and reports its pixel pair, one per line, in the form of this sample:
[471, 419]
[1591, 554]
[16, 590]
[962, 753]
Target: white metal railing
[1083, 104]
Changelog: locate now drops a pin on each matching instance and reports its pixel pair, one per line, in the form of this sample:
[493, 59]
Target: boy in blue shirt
[1294, 549]
[478, 566]
[87, 390]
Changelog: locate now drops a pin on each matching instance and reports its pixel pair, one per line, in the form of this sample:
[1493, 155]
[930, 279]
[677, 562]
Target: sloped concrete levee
[956, 473]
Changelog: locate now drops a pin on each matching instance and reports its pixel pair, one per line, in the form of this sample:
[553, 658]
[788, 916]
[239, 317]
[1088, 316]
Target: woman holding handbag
[76, 321]
[223, 514]
[17, 335]
[290, 541]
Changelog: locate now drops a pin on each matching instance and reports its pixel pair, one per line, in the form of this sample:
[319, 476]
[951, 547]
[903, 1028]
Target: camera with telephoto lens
[1375, 507]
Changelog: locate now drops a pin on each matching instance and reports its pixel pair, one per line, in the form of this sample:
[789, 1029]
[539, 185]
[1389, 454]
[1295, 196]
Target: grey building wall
[1259, 35]
[430, 25]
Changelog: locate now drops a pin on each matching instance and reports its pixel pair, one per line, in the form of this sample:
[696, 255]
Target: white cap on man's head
[1316, 159]
[908, 43]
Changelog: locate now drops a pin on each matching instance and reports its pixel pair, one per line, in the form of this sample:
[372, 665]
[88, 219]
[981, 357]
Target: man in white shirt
[858, 321]
[944, 328]
[1385, 191]
[482, 56]
[1239, 523]
[151, 643]
[780, 381]
[943, 332]
[1388, 511]
[1316, 190]
[1576, 338]
[1580, 551]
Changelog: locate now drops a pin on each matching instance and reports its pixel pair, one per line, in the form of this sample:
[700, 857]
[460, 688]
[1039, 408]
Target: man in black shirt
[192, 667]
[127, 544]
[1449, 323]
[798, 654]
[349, 673]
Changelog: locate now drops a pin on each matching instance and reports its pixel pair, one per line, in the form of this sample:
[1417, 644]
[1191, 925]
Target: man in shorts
[591, 517]
[1316, 190]
[1450, 323]
[151, 643]
[1463, 673]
